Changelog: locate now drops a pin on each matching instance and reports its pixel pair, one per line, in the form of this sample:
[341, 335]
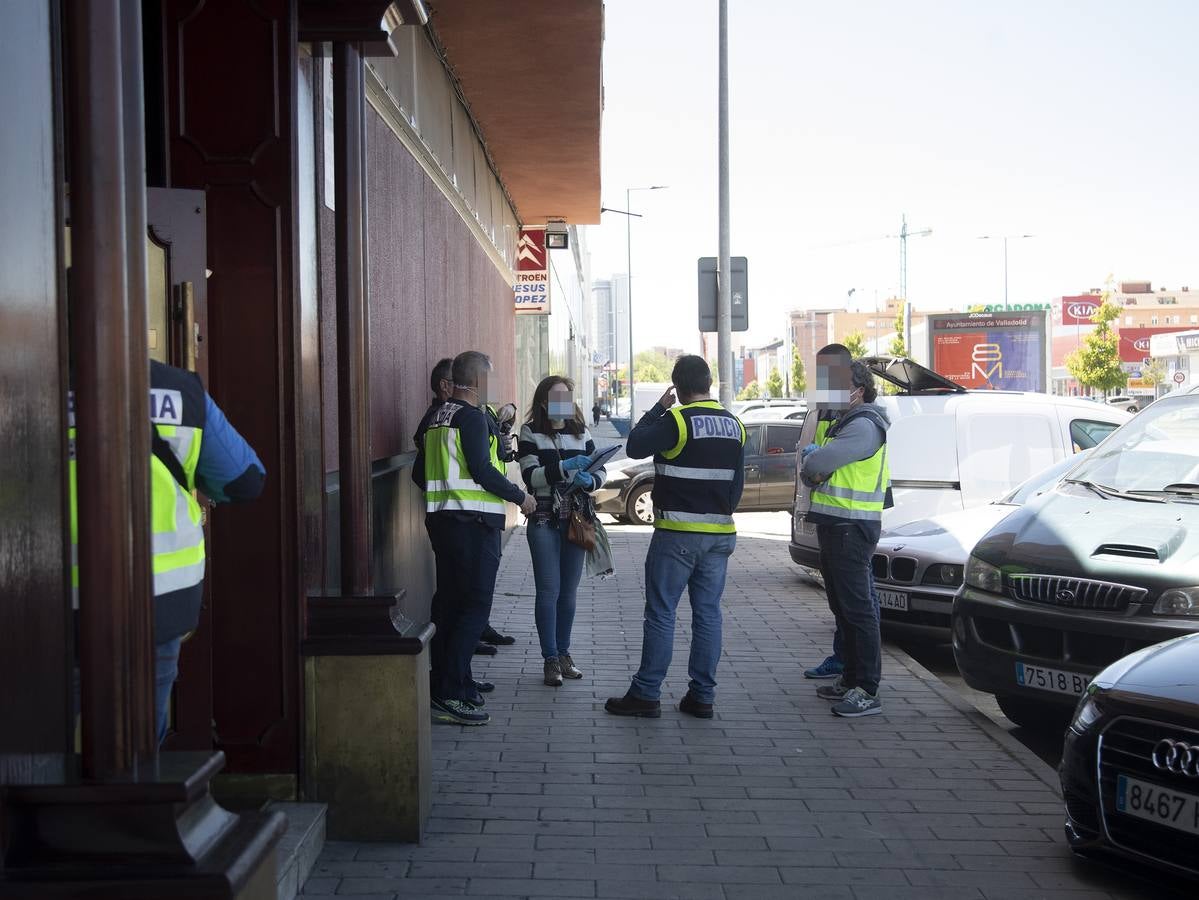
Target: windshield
[1156, 450]
[1042, 480]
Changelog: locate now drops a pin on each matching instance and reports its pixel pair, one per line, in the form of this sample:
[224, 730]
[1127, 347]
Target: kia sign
[531, 290]
[1079, 310]
[1134, 342]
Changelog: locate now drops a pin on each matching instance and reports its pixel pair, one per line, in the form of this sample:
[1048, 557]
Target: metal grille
[1073, 593]
[878, 565]
[1126, 748]
[903, 568]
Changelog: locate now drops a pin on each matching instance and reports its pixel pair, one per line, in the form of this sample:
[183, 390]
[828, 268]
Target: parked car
[781, 411]
[918, 566]
[742, 407]
[951, 449]
[1130, 766]
[1129, 404]
[1105, 563]
[769, 476]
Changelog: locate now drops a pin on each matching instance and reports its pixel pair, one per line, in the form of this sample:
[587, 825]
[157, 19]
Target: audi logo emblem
[1082, 310]
[1176, 758]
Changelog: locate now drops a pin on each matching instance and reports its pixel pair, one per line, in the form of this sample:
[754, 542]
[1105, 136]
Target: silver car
[918, 565]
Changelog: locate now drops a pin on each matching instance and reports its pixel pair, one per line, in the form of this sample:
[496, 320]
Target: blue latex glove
[575, 463]
[583, 480]
[808, 449]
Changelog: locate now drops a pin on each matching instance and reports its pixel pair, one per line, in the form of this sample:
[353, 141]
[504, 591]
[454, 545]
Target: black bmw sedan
[1130, 767]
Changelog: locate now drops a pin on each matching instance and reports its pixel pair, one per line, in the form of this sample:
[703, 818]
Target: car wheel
[639, 508]
[1032, 715]
[1131, 409]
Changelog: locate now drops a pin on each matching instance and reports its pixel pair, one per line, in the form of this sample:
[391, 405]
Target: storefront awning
[531, 72]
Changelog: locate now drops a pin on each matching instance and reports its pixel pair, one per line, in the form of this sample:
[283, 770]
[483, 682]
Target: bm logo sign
[986, 361]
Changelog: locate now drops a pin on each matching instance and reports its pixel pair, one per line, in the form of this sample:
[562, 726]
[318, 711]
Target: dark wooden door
[178, 313]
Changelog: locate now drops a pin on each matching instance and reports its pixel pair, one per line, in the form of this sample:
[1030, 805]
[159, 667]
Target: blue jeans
[468, 559]
[557, 568]
[844, 560]
[166, 669]
[838, 641]
[679, 560]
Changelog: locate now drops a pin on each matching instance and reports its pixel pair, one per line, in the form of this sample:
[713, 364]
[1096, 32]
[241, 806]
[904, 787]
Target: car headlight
[1178, 602]
[1086, 715]
[984, 576]
[943, 574]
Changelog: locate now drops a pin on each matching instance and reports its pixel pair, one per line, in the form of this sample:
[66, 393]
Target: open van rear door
[911, 377]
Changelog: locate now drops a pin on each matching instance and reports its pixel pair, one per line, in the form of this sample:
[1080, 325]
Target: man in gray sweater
[847, 471]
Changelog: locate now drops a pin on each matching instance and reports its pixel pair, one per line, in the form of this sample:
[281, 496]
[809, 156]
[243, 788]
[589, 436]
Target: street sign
[531, 290]
[708, 292]
[1180, 377]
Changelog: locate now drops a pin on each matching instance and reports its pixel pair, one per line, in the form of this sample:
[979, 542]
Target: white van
[952, 449]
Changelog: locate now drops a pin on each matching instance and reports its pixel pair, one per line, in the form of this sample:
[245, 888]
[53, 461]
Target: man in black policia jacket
[699, 472]
[459, 468]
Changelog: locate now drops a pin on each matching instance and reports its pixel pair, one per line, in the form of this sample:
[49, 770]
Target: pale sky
[1076, 121]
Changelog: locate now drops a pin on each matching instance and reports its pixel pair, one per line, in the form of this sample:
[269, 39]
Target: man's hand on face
[667, 399]
[528, 506]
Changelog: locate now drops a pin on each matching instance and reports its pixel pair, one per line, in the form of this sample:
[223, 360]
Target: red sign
[532, 287]
[1079, 310]
[1134, 342]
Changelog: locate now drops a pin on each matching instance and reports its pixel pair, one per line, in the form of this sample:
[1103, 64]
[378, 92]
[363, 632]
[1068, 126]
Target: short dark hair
[469, 366]
[863, 378]
[691, 375]
[443, 371]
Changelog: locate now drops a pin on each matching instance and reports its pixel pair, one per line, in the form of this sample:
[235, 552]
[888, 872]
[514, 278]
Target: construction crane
[904, 234]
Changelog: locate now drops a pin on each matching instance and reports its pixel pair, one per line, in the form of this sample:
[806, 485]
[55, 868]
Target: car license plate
[1051, 679]
[1154, 803]
[893, 600]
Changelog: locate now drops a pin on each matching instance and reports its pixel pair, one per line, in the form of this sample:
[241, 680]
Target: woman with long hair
[555, 451]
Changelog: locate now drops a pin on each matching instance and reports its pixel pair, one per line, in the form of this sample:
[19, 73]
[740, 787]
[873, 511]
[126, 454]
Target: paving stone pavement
[774, 798]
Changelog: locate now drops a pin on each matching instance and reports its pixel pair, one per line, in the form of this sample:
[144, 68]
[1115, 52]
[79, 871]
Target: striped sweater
[541, 464]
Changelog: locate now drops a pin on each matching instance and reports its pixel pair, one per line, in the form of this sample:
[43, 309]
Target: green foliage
[774, 383]
[899, 345]
[1097, 363]
[1155, 372]
[750, 392]
[856, 345]
[651, 367]
[799, 378]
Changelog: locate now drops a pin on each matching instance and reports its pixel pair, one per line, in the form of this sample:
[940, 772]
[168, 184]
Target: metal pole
[724, 309]
[628, 224]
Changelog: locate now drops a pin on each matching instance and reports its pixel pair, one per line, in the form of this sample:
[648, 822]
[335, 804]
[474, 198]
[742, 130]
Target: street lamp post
[628, 203]
[1005, 238]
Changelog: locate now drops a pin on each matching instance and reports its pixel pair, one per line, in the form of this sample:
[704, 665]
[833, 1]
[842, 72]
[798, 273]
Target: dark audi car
[1103, 564]
[1130, 768]
[769, 475]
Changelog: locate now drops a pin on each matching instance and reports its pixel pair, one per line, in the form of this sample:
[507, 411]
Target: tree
[1097, 363]
[750, 392]
[774, 383]
[799, 378]
[856, 345]
[1154, 372]
[652, 368]
[899, 343]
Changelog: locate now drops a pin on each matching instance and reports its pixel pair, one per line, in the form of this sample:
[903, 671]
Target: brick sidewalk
[772, 798]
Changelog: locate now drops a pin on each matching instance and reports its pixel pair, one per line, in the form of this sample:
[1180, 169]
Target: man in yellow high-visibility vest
[849, 478]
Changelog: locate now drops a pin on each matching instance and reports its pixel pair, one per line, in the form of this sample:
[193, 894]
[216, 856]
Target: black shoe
[476, 700]
[457, 712]
[632, 705]
[693, 707]
[491, 636]
[482, 649]
[553, 672]
[484, 687]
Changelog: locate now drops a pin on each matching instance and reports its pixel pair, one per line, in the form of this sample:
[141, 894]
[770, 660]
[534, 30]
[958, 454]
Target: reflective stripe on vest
[856, 491]
[449, 486]
[176, 522]
[711, 483]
